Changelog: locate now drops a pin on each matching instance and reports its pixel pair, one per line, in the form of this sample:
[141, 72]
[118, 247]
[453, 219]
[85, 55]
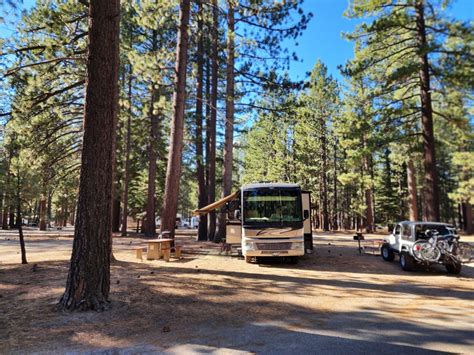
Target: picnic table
[157, 248]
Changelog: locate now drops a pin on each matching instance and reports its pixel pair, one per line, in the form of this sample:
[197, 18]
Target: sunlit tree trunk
[88, 281]
[128, 146]
[412, 191]
[229, 119]
[431, 194]
[173, 171]
[213, 120]
[202, 192]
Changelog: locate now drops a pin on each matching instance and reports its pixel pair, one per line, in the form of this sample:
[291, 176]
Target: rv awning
[215, 205]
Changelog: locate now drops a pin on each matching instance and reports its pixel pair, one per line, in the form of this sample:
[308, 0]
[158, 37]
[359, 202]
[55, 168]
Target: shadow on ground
[183, 309]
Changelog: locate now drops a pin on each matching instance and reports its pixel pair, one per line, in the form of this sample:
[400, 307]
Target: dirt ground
[335, 300]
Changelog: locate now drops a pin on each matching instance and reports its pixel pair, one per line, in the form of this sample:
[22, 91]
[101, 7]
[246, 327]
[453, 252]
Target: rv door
[308, 233]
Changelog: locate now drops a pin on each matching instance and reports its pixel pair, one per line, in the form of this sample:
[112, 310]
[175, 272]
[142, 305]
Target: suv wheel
[387, 252]
[454, 268]
[407, 262]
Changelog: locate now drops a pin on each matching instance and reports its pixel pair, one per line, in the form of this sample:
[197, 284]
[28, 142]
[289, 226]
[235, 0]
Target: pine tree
[88, 282]
[170, 203]
[409, 44]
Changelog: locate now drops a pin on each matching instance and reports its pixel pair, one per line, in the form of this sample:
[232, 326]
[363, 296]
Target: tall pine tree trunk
[6, 203]
[412, 191]
[173, 171]
[115, 208]
[229, 118]
[49, 209]
[149, 223]
[18, 217]
[324, 178]
[467, 216]
[202, 193]
[88, 282]
[213, 120]
[205, 218]
[336, 220]
[128, 146]
[2, 194]
[431, 193]
[5, 212]
[369, 215]
[42, 209]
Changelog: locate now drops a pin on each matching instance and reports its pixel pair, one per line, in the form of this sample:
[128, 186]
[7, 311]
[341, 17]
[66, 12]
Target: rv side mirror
[305, 214]
[237, 214]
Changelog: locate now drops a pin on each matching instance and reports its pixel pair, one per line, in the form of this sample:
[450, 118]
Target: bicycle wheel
[464, 252]
[425, 251]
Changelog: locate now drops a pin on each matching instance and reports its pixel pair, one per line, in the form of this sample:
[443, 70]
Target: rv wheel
[248, 259]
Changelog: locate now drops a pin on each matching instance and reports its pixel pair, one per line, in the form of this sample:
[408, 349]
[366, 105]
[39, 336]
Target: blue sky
[322, 39]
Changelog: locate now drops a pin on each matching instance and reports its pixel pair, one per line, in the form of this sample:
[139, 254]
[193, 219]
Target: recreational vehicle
[267, 220]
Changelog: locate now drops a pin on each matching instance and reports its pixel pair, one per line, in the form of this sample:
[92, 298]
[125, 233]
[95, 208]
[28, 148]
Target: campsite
[236, 176]
[335, 300]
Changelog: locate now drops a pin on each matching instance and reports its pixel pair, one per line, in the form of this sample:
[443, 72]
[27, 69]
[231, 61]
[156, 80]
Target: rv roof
[268, 184]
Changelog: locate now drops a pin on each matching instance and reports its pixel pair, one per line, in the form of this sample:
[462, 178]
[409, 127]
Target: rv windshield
[272, 205]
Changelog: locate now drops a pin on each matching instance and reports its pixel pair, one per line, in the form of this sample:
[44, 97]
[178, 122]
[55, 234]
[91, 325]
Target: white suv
[407, 234]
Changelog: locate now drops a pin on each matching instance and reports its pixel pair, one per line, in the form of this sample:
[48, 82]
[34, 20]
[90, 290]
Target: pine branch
[46, 96]
[55, 60]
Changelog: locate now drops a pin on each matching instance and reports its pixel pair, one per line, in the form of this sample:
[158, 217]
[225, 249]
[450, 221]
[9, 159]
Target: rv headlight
[249, 245]
[297, 245]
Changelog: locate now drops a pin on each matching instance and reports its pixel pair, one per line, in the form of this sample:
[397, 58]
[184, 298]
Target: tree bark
[173, 171]
[336, 220]
[11, 220]
[204, 218]
[72, 215]
[88, 282]
[468, 225]
[229, 119]
[324, 178]
[412, 191]
[431, 210]
[2, 194]
[49, 208]
[115, 210]
[42, 212]
[5, 213]
[18, 217]
[213, 119]
[369, 216]
[202, 193]
[150, 223]
[128, 146]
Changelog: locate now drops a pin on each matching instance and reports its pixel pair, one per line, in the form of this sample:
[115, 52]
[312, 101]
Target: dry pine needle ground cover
[333, 300]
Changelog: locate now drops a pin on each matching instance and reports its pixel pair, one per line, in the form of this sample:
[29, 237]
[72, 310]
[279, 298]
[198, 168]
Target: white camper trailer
[268, 220]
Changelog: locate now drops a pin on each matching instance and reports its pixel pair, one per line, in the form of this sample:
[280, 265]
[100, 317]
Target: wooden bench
[139, 252]
[372, 246]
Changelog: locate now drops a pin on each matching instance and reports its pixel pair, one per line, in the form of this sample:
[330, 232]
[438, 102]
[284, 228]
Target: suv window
[407, 233]
[397, 230]
[421, 229]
